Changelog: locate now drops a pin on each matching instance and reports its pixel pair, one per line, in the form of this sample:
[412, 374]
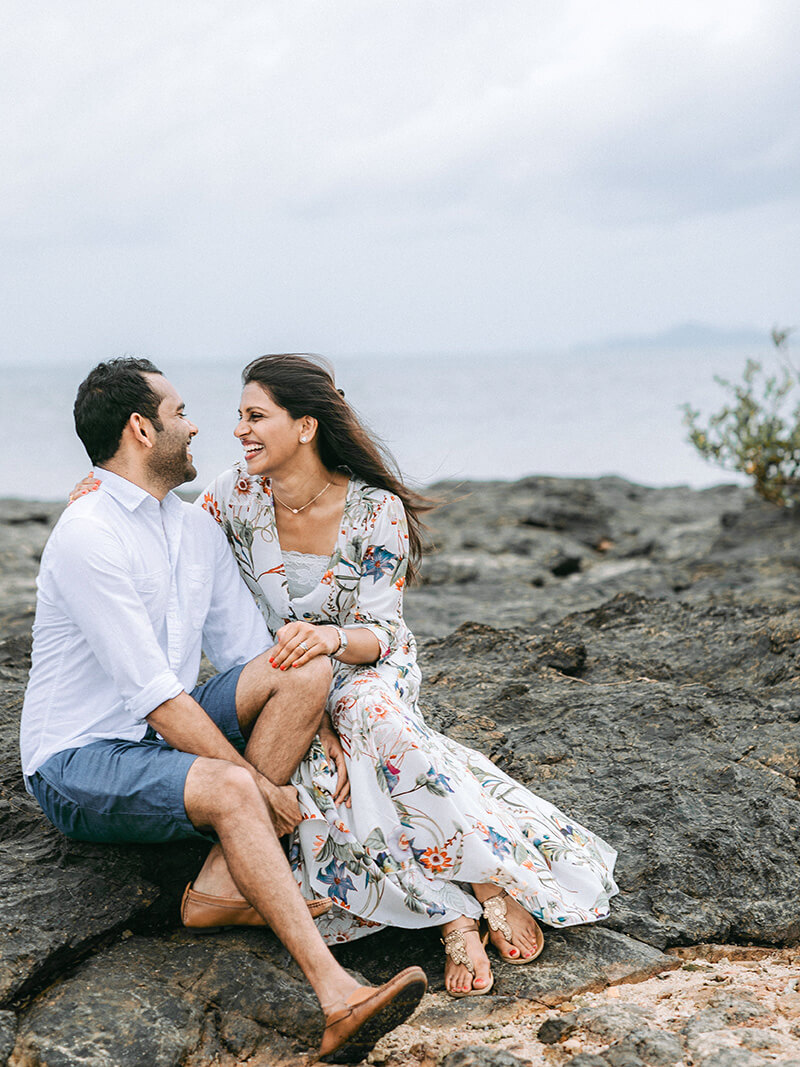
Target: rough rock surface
[163, 1000]
[529, 552]
[632, 654]
[722, 1005]
[670, 729]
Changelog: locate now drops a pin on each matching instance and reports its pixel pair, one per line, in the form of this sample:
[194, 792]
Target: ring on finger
[303, 645]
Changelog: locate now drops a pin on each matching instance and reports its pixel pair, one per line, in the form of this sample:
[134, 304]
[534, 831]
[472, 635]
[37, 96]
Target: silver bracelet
[343, 640]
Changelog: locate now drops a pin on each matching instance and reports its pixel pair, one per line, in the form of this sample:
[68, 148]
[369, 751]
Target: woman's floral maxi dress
[428, 815]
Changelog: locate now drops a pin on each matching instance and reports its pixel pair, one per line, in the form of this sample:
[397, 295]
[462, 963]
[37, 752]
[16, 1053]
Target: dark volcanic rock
[24, 529]
[8, 1034]
[678, 742]
[573, 961]
[650, 1048]
[633, 655]
[724, 1010]
[162, 1001]
[611, 1023]
[528, 552]
[60, 898]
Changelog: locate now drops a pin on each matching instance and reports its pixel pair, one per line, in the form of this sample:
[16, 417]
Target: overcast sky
[217, 179]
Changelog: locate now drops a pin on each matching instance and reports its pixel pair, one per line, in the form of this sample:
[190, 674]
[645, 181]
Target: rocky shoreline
[632, 654]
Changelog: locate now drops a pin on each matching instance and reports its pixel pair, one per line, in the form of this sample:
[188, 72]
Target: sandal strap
[494, 911]
[456, 947]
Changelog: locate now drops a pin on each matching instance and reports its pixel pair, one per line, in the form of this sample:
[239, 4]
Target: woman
[325, 535]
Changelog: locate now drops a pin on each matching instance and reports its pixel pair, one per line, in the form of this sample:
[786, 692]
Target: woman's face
[268, 433]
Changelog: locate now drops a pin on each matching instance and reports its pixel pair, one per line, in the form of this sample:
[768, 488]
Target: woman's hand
[335, 754]
[87, 485]
[298, 642]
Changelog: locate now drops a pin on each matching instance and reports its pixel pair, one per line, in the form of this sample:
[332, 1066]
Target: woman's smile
[251, 448]
[267, 432]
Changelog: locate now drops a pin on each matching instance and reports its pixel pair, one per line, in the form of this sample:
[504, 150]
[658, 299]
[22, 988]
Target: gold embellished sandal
[495, 913]
[456, 948]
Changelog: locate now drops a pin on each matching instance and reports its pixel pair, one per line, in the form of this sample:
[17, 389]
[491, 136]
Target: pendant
[295, 511]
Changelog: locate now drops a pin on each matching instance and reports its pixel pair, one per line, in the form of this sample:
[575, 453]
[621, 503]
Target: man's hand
[335, 754]
[282, 803]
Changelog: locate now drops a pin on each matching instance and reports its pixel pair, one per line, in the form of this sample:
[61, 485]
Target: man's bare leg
[280, 727]
[279, 713]
[225, 797]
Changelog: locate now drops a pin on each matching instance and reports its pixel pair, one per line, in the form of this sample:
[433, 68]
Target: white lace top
[303, 571]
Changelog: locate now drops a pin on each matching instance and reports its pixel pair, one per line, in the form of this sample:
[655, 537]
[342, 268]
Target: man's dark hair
[107, 397]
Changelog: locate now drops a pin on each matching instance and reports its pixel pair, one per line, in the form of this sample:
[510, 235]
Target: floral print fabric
[428, 815]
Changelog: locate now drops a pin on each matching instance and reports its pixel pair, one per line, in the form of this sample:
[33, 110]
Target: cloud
[132, 121]
[626, 121]
[366, 172]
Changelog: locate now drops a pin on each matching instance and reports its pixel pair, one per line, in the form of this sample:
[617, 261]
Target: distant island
[684, 335]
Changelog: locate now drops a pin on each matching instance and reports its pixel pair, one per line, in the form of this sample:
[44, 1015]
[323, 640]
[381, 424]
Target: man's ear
[141, 430]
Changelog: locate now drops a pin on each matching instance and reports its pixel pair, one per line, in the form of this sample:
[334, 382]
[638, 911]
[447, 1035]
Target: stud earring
[303, 440]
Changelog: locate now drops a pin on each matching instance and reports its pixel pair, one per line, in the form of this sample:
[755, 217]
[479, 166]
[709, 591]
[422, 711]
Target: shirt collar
[130, 495]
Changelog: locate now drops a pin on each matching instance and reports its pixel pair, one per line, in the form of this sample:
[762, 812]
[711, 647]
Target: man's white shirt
[130, 591]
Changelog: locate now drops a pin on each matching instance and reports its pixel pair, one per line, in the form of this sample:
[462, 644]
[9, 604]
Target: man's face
[170, 460]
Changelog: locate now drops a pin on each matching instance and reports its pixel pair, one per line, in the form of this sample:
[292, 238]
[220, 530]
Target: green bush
[758, 431]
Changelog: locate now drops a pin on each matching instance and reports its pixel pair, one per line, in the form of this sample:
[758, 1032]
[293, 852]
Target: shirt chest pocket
[152, 588]
[196, 586]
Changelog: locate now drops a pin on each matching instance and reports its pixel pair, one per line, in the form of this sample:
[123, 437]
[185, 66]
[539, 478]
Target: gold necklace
[296, 511]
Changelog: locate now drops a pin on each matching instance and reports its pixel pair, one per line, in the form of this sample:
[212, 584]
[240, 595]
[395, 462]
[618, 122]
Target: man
[117, 742]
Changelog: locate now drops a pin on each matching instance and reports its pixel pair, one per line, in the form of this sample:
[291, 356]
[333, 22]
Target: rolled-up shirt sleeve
[99, 595]
[379, 602]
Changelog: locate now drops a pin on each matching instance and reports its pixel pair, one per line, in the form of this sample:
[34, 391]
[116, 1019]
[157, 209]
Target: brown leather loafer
[201, 911]
[352, 1031]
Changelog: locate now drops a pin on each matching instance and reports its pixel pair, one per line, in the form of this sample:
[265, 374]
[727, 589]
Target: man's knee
[235, 787]
[260, 676]
[308, 685]
[320, 672]
[216, 788]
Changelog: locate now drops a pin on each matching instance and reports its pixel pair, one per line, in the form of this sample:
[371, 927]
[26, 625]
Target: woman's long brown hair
[305, 385]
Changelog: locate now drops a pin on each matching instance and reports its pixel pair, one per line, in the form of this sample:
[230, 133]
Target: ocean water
[613, 411]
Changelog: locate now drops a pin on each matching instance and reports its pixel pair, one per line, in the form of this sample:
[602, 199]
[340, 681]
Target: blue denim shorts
[132, 791]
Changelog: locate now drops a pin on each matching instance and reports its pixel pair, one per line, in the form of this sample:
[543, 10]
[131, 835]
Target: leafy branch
[758, 431]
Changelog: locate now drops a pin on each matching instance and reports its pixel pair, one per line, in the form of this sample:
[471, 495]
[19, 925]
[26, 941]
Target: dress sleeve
[211, 500]
[235, 631]
[379, 602]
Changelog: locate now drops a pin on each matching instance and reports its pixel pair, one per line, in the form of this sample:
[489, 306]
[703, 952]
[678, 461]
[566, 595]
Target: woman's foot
[512, 930]
[467, 971]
